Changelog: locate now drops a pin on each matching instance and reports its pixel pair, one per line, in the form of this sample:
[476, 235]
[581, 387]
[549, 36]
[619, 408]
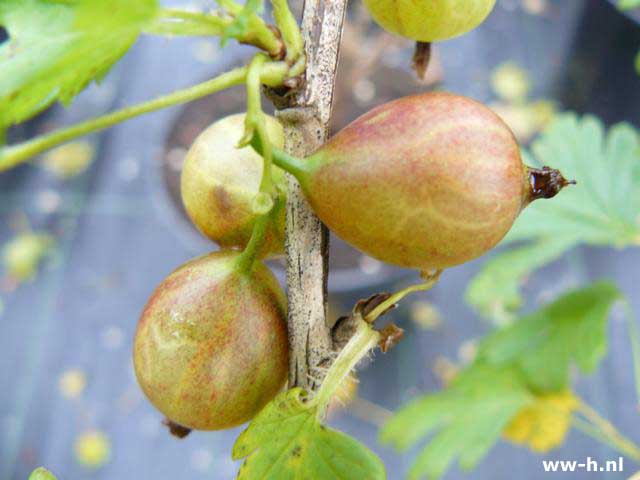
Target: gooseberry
[211, 345]
[429, 20]
[427, 181]
[220, 182]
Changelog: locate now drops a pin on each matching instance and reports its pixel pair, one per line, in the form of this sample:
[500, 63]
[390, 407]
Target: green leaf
[286, 441]
[57, 47]
[467, 418]
[496, 292]
[628, 4]
[241, 25]
[544, 344]
[41, 473]
[530, 357]
[602, 209]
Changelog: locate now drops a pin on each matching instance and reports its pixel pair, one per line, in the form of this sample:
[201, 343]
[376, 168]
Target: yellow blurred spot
[72, 383]
[535, 7]
[544, 424]
[511, 83]
[445, 369]
[467, 351]
[543, 112]
[345, 394]
[425, 315]
[70, 159]
[92, 449]
[22, 255]
[527, 119]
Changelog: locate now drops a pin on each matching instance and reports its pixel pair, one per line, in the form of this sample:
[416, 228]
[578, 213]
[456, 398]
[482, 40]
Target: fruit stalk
[289, 29]
[363, 340]
[255, 126]
[172, 21]
[421, 59]
[429, 281]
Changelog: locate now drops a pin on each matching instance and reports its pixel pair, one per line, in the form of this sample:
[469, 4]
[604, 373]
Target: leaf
[546, 343]
[286, 441]
[514, 367]
[628, 4]
[602, 209]
[240, 27]
[496, 292]
[57, 47]
[467, 418]
[41, 473]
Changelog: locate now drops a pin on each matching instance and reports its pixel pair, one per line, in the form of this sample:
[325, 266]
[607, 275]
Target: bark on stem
[306, 127]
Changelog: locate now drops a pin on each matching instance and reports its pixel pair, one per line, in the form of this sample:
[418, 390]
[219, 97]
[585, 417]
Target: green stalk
[289, 29]
[272, 74]
[260, 31]
[255, 126]
[396, 297]
[294, 165]
[250, 253]
[363, 340]
[230, 6]
[604, 431]
[180, 22]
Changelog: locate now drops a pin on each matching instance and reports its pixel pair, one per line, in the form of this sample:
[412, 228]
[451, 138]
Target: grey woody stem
[306, 128]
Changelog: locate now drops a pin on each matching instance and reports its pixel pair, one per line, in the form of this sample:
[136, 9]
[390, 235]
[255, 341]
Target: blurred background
[109, 226]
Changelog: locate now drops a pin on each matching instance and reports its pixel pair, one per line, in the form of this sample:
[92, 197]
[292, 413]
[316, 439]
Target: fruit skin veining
[427, 181]
[211, 345]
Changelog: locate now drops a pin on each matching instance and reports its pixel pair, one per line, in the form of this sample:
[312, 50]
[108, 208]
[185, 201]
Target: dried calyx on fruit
[427, 181]
[429, 20]
[220, 183]
[211, 345]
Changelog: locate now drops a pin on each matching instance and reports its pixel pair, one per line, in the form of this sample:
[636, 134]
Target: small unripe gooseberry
[429, 20]
[427, 181]
[220, 182]
[211, 345]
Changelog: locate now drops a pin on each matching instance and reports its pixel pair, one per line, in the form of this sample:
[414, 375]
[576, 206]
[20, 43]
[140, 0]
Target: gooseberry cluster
[211, 345]
[426, 182]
